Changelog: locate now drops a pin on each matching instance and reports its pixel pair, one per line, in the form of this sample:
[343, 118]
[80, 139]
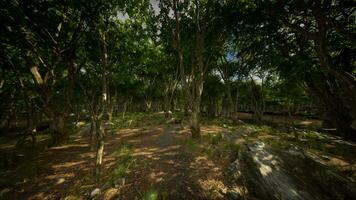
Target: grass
[124, 163]
[192, 144]
[139, 120]
[280, 137]
[215, 145]
[220, 121]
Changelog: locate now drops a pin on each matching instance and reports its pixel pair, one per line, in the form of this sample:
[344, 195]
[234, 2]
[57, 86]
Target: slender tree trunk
[31, 124]
[166, 105]
[195, 115]
[100, 146]
[179, 49]
[231, 109]
[237, 100]
[92, 133]
[124, 109]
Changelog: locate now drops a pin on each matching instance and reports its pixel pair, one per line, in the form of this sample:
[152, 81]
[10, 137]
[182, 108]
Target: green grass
[215, 139]
[139, 120]
[124, 163]
[220, 121]
[192, 144]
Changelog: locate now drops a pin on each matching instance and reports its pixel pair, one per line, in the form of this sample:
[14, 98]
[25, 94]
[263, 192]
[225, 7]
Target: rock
[270, 174]
[256, 146]
[95, 192]
[296, 151]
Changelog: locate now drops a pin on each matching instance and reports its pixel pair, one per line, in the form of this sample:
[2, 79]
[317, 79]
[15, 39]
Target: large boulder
[261, 172]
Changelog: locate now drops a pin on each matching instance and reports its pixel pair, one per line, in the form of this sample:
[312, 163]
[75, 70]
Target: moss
[277, 143]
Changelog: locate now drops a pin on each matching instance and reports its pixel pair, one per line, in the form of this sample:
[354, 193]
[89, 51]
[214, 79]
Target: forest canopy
[60, 58]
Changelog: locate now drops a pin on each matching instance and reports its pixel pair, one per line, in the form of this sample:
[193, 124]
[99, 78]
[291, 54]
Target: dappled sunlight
[144, 151]
[265, 170]
[127, 132]
[203, 163]
[265, 162]
[40, 195]
[60, 176]
[67, 164]
[338, 162]
[110, 193]
[87, 155]
[137, 159]
[69, 146]
[206, 129]
[215, 187]
[157, 176]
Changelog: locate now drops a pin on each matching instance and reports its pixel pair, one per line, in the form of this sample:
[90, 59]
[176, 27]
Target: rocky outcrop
[265, 173]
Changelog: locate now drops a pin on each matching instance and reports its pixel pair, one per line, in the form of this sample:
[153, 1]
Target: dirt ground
[163, 167]
[149, 158]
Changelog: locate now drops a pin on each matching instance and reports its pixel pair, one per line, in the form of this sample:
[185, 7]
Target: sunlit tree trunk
[103, 105]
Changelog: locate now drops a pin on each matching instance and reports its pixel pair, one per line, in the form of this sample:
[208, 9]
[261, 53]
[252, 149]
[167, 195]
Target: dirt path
[170, 169]
[164, 166]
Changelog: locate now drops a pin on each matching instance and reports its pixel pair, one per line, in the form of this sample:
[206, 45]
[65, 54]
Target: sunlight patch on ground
[144, 151]
[211, 129]
[157, 176]
[87, 155]
[170, 148]
[202, 162]
[59, 176]
[69, 146]
[338, 162]
[110, 193]
[67, 164]
[214, 187]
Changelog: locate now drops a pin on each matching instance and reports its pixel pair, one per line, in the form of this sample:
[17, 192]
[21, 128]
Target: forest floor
[148, 157]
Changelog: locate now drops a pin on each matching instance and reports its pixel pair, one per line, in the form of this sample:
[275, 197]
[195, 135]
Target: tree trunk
[124, 109]
[31, 124]
[57, 129]
[337, 114]
[194, 124]
[195, 115]
[167, 105]
[237, 100]
[92, 134]
[100, 146]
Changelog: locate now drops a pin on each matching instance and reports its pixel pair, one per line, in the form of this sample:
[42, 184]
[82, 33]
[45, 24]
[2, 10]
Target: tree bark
[100, 146]
[57, 129]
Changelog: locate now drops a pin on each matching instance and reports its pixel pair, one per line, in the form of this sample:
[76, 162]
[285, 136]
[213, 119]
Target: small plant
[150, 195]
[214, 139]
[124, 162]
[191, 143]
